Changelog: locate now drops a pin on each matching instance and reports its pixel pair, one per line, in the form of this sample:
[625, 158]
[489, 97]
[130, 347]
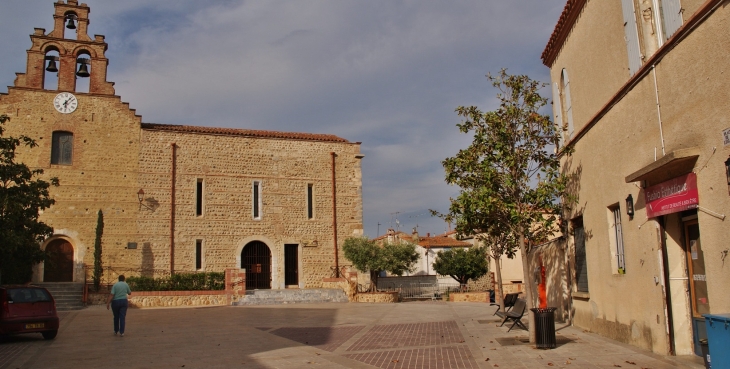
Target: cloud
[386, 73]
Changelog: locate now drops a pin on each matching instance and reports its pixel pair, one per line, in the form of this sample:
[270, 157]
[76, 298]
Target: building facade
[174, 198]
[640, 90]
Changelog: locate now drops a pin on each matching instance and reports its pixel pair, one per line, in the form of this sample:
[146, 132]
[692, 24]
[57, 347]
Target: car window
[23, 295]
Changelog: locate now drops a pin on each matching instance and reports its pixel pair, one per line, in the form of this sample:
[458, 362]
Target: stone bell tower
[78, 56]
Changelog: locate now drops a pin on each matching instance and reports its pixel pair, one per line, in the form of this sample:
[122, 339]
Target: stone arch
[53, 46]
[79, 251]
[275, 262]
[84, 50]
[59, 264]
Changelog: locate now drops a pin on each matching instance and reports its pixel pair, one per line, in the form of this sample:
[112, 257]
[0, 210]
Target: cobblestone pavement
[335, 335]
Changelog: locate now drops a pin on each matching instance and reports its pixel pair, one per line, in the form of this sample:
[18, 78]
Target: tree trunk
[499, 293]
[374, 281]
[527, 283]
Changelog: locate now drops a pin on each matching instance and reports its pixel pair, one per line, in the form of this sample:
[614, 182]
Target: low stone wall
[178, 299]
[347, 285]
[377, 297]
[235, 290]
[469, 296]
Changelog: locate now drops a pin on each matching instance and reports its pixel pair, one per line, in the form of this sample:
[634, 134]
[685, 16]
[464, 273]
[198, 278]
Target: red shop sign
[672, 196]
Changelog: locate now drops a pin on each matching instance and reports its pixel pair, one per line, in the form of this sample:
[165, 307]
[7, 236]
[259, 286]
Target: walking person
[119, 303]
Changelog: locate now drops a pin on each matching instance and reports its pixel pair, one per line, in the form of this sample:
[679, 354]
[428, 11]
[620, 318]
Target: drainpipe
[334, 215]
[172, 209]
[658, 109]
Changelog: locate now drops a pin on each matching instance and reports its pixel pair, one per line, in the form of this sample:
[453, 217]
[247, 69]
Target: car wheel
[49, 335]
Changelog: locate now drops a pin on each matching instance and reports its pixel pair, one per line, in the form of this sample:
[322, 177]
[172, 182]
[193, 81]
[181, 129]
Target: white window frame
[558, 113]
[566, 102]
[616, 237]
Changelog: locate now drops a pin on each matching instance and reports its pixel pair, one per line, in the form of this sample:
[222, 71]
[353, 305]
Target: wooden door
[59, 262]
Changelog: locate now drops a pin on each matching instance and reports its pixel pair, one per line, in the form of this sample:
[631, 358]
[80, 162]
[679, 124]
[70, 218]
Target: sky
[385, 73]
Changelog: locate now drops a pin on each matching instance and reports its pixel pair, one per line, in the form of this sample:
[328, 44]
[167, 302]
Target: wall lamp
[140, 197]
[630, 206]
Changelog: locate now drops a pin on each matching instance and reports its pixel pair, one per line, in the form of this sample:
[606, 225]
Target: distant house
[428, 247]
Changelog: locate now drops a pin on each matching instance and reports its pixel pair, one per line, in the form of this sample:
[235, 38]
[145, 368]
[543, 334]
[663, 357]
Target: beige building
[174, 198]
[641, 89]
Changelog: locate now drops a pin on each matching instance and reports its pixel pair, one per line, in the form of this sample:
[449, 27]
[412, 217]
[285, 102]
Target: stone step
[292, 296]
[68, 296]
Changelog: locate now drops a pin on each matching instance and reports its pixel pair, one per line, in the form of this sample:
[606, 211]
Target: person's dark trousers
[119, 308]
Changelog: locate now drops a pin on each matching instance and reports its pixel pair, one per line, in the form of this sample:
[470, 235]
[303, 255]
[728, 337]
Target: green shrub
[211, 281]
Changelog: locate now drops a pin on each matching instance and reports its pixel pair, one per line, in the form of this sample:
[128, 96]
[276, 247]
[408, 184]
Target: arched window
[83, 71]
[566, 103]
[70, 22]
[50, 74]
[558, 113]
[62, 147]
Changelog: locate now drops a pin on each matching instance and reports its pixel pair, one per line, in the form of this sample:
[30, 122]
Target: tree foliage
[96, 277]
[22, 197]
[462, 264]
[509, 176]
[369, 257]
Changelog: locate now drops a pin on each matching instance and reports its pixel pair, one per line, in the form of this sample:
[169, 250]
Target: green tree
[22, 197]
[97, 250]
[462, 264]
[509, 176]
[369, 257]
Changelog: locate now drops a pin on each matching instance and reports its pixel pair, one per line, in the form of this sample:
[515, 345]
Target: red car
[28, 309]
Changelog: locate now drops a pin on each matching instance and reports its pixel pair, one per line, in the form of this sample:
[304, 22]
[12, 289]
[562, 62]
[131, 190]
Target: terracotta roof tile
[562, 29]
[243, 132]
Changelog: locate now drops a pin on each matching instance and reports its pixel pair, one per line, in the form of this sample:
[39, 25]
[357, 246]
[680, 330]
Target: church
[175, 198]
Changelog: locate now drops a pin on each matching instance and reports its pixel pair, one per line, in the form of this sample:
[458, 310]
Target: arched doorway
[59, 263]
[256, 259]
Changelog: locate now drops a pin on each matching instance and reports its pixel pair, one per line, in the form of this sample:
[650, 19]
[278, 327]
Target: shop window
[62, 147]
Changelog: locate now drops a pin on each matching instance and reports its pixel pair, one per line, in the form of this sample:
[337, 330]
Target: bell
[52, 66]
[83, 71]
[71, 24]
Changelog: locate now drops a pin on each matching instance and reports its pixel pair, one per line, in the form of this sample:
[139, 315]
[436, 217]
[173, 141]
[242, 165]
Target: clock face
[65, 102]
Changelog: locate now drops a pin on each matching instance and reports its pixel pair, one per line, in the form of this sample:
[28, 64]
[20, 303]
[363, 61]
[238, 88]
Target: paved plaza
[334, 335]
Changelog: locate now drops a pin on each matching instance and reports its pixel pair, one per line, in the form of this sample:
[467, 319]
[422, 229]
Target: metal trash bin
[545, 328]
[705, 353]
[718, 338]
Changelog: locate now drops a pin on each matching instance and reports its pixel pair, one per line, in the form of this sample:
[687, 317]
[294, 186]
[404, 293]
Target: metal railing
[423, 290]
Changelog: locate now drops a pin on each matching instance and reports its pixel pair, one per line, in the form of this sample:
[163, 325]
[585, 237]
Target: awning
[674, 164]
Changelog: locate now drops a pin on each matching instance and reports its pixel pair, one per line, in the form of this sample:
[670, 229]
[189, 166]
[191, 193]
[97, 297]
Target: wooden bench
[515, 314]
[509, 301]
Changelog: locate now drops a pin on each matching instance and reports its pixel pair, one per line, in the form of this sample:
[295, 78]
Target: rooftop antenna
[378, 234]
[392, 216]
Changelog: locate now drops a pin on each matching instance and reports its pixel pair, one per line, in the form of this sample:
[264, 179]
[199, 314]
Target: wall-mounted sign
[675, 195]
[726, 137]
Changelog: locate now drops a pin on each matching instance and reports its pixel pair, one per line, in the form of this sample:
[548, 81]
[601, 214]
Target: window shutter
[558, 112]
[672, 13]
[631, 36]
[568, 103]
